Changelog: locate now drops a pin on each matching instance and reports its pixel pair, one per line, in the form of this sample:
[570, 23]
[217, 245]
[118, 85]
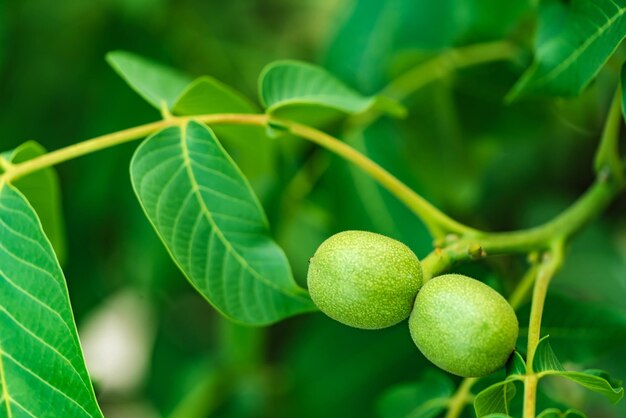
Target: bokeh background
[154, 347]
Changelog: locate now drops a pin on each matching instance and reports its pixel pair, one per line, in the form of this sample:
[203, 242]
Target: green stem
[435, 220]
[607, 156]
[568, 223]
[461, 398]
[552, 261]
[106, 141]
[432, 70]
[590, 204]
[446, 63]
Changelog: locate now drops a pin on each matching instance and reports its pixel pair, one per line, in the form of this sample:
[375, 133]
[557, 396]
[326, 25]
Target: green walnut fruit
[463, 326]
[364, 280]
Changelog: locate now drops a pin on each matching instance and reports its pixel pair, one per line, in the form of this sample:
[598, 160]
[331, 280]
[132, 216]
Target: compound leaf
[42, 370]
[573, 44]
[43, 192]
[155, 82]
[211, 222]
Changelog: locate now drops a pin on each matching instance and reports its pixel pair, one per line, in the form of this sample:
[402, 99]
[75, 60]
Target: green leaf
[43, 192]
[211, 222]
[300, 91]
[426, 398]
[574, 42]
[248, 145]
[516, 366]
[495, 398]
[154, 82]
[545, 359]
[556, 413]
[207, 95]
[546, 363]
[596, 381]
[42, 371]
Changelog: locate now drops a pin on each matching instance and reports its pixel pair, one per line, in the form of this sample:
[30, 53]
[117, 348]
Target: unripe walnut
[364, 280]
[463, 326]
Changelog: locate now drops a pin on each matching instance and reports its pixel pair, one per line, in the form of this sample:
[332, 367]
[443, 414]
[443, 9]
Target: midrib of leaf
[218, 232]
[580, 50]
[5, 392]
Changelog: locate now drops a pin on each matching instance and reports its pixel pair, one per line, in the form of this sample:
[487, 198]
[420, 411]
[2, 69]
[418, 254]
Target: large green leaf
[43, 192]
[153, 81]
[546, 363]
[42, 371]
[426, 398]
[248, 145]
[213, 225]
[574, 41]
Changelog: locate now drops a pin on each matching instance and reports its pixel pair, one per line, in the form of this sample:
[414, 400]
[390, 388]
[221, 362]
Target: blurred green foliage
[489, 164]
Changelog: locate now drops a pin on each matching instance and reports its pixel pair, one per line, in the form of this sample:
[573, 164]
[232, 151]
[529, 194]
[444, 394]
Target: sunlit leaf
[574, 42]
[42, 371]
[213, 225]
[153, 81]
[43, 192]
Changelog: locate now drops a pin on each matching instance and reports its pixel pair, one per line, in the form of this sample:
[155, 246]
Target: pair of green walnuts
[366, 280]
